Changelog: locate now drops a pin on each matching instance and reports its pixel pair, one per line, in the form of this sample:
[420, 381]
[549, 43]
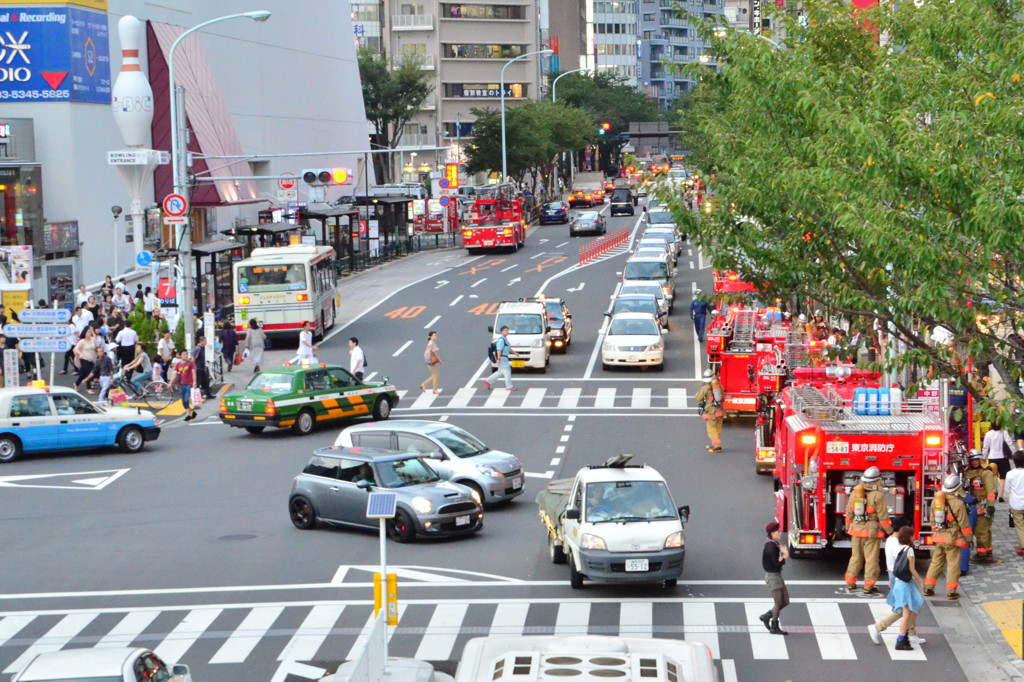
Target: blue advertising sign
[55, 54]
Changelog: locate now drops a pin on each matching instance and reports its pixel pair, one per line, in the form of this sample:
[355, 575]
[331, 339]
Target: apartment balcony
[428, 62]
[669, 21]
[412, 22]
[417, 140]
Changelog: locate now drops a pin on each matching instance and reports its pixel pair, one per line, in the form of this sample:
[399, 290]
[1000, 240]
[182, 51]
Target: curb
[979, 643]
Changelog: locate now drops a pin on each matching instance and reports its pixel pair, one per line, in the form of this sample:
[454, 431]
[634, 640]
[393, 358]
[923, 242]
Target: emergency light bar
[933, 440]
[808, 439]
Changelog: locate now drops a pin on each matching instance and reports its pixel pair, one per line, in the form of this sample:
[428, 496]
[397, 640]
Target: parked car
[496, 476]
[554, 212]
[101, 664]
[332, 489]
[587, 221]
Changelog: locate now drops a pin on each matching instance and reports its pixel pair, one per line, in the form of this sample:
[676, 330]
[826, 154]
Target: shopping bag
[197, 397]
[117, 395]
[238, 357]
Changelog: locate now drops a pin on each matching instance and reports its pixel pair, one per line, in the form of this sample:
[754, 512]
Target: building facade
[613, 32]
[668, 40]
[566, 27]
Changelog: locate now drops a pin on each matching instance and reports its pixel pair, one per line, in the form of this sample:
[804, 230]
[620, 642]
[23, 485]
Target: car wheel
[131, 439]
[555, 551]
[254, 429]
[575, 577]
[400, 528]
[669, 584]
[10, 448]
[304, 423]
[381, 409]
[475, 486]
[660, 367]
[604, 366]
[301, 512]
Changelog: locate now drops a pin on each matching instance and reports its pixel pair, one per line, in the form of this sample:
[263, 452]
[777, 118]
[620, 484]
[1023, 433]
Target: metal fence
[364, 260]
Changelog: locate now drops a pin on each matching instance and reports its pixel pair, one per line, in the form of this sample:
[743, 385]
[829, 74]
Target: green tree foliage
[879, 159]
[393, 94]
[534, 133]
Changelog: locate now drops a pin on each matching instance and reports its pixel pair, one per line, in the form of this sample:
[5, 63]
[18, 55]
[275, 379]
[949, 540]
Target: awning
[216, 246]
[264, 229]
[321, 211]
[363, 200]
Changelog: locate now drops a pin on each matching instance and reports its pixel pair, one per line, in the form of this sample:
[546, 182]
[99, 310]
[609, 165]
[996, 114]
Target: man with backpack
[499, 352]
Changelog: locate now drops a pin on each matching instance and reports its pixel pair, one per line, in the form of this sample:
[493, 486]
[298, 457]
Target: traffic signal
[605, 127]
[326, 176]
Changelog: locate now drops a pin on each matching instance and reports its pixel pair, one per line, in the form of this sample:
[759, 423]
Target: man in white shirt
[357, 359]
[81, 296]
[892, 548]
[994, 451]
[81, 319]
[126, 340]
[306, 347]
[1015, 494]
[122, 300]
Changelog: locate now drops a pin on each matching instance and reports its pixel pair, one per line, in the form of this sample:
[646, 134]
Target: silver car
[587, 221]
[496, 476]
[103, 664]
[333, 487]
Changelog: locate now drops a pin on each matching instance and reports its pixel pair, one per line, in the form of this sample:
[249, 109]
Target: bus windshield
[268, 278]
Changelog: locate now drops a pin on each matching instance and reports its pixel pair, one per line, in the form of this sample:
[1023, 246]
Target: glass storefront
[21, 206]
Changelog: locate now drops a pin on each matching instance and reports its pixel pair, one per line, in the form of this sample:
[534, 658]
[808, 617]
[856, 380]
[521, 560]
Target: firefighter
[981, 486]
[950, 532]
[709, 399]
[802, 322]
[867, 521]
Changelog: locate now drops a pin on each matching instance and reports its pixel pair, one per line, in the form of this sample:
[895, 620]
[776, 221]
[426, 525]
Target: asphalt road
[187, 547]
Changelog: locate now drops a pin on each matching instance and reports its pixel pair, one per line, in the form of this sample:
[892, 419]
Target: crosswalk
[563, 398]
[226, 634]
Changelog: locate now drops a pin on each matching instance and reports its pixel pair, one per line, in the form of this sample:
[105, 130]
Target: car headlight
[422, 505]
[609, 348]
[588, 541]
[488, 470]
[538, 343]
[654, 347]
[476, 496]
[674, 540]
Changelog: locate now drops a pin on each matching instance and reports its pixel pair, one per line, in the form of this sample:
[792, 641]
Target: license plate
[636, 565]
[488, 242]
[245, 405]
[518, 364]
[517, 483]
[633, 358]
[464, 521]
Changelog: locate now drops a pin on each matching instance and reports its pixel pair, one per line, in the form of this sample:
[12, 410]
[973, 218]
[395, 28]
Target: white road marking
[457, 299]
[403, 347]
[573, 618]
[311, 634]
[462, 397]
[306, 672]
[570, 397]
[514, 265]
[430, 324]
[636, 618]
[691, 265]
[830, 631]
[689, 252]
[401, 394]
[370, 376]
[538, 255]
[12, 625]
[425, 400]
[641, 398]
[563, 439]
[91, 483]
[537, 474]
[130, 627]
[764, 644]
[560, 450]
[509, 619]
[497, 397]
[247, 635]
[677, 398]
[533, 398]
[729, 670]
[701, 625]
[880, 608]
[567, 427]
[475, 284]
[55, 639]
[443, 630]
[561, 245]
[176, 645]
[605, 398]
[555, 461]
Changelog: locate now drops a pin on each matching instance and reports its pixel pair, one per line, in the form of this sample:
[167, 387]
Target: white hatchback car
[102, 665]
[633, 340]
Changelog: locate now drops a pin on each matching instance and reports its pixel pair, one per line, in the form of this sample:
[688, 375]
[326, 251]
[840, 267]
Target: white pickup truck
[615, 522]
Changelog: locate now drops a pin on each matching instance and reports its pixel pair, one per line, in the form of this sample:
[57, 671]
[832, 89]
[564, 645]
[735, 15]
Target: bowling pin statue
[132, 96]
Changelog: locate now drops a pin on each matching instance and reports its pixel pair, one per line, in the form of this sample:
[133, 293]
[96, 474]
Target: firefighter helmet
[975, 454]
[708, 374]
[802, 318]
[697, 292]
[951, 484]
[871, 475]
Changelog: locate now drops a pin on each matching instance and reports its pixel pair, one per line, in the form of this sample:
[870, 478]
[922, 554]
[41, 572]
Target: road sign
[45, 345]
[175, 205]
[143, 258]
[45, 315]
[444, 200]
[287, 181]
[175, 220]
[287, 195]
[37, 331]
[443, 183]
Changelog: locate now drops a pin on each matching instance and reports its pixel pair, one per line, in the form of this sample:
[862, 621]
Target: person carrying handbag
[905, 596]
[186, 380]
[433, 359]
[255, 343]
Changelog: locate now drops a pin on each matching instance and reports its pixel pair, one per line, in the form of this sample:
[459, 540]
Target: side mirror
[386, 379]
[363, 484]
[607, 313]
[664, 331]
[572, 514]
[547, 329]
[179, 670]
[490, 329]
[438, 455]
[645, 209]
[684, 512]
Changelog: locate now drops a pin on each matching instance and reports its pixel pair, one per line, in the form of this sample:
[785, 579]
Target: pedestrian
[980, 491]
[104, 371]
[892, 549]
[255, 342]
[997, 448]
[503, 349]
[951, 530]
[85, 357]
[76, 332]
[306, 348]
[82, 296]
[433, 359]
[186, 380]
[107, 288]
[122, 300]
[228, 343]
[772, 560]
[698, 312]
[126, 340]
[867, 521]
[202, 375]
[92, 307]
[1014, 491]
[143, 364]
[709, 402]
[356, 358]
[905, 595]
[149, 302]
[165, 351]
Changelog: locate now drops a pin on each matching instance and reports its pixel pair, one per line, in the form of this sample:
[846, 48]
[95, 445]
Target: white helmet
[871, 475]
[708, 374]
[802, 318]
[951, 484]
[975, 454]
[697, 292]
[817, 313]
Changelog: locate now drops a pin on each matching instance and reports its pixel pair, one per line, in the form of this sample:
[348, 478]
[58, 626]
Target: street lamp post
[178, 165]
[504, 159]
[554, 83]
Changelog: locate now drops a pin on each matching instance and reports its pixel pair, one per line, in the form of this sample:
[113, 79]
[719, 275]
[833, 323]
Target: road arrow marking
[441, 283]
[515, 281]
[542, 241]
[306, 672]
[579, 288]
[92, 482]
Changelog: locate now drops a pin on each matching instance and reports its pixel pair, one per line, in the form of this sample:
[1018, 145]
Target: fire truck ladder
[797, 354]
[743, 329]
[810, 401]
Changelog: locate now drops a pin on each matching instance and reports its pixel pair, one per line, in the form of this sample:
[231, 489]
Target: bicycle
[156, 394]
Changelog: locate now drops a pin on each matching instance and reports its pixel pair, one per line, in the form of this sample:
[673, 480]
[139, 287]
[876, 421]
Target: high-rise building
[613, 33]
[368, 24]
[668, 38]
[566, 27]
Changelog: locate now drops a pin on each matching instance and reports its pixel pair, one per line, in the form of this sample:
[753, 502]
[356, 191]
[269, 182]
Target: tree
[393, 94]
[877, 160]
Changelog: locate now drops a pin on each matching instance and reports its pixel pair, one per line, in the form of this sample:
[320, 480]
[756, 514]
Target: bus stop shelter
[257, 236]
[213, 261]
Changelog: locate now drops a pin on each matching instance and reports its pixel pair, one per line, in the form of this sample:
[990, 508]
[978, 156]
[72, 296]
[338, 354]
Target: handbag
[901, 567]
[433, 358]
[1012, 525]
[196, 397]
[239, 357]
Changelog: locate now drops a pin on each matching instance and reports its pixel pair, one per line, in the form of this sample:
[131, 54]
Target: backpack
[901, 567]
[492, 351]
[366, 363]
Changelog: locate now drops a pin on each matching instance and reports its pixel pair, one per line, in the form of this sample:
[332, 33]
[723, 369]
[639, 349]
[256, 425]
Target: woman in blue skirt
[905, 595]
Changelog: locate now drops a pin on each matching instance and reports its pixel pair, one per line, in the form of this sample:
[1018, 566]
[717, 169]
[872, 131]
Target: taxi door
[344, 383]
[35, 420]
[82, 424]
[313, 388]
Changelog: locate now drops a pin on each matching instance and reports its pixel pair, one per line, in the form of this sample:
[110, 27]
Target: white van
[527, 323]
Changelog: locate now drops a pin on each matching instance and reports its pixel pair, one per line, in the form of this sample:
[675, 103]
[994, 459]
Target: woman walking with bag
[255, 342]
[433, 360]
[187, 379]
[905, 595]
[772, 560]
[85, 357]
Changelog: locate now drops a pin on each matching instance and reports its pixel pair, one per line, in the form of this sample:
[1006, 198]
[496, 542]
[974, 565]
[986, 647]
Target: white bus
[284, 286]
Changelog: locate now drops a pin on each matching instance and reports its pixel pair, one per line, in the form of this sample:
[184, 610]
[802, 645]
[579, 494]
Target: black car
[623, 202]
[554, 212]
[560, 322]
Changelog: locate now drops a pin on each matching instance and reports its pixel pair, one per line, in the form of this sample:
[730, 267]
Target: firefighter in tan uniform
[867, 521]
[951, 531]
[709, 398]
[981, 483]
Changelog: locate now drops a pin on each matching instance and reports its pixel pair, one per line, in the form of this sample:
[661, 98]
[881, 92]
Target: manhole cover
[238, 536]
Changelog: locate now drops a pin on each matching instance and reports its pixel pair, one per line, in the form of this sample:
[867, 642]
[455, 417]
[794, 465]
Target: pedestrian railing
[598, 247]
[364, 260]
[368, 665]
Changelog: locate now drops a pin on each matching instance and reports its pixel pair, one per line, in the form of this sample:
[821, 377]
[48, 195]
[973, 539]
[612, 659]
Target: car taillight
[223, 405]
[301, 297]
[271, 408]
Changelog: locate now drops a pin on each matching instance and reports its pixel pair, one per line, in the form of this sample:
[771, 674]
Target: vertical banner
[11, 376]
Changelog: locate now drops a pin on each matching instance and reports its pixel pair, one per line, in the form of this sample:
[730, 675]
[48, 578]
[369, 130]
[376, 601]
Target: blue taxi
[39, 418]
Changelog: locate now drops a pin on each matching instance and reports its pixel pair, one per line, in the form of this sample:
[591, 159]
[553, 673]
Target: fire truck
[829, 426]
[494, 220]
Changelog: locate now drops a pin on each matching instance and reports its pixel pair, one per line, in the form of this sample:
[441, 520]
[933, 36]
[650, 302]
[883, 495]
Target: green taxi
[301, 397]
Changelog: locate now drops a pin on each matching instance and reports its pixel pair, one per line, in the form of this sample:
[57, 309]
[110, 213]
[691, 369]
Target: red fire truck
[494, 220]
[830, 425]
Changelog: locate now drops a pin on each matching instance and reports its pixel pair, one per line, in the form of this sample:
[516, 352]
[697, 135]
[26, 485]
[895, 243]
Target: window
[316, 380]
[481, 51]
[376, 439]
[31, 406]
[149, 668]
[326, 467]
[265, 278]
[407, 442]
[418, 49]
[353, 471]
[468, 11]
[339, 378]
[577, 498]
[69, 403]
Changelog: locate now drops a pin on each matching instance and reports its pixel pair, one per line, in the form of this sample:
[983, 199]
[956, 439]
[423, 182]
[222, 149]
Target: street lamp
[504, 160]
[554, 83]
[178, 171]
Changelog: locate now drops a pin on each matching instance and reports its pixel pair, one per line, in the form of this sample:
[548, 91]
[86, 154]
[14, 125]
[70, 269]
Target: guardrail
[364, 260]
[368, 666]
[592, 250]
